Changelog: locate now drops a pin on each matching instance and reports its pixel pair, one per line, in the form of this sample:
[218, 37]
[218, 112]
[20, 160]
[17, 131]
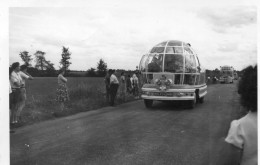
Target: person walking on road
[107, 83]
[242, 134]
[113, 86]
[122, 86]
[62, 94]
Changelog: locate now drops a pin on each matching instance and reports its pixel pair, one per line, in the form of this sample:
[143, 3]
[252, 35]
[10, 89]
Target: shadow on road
[171, 106]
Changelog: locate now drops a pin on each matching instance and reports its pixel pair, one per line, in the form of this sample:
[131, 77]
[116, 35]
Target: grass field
[85, 94]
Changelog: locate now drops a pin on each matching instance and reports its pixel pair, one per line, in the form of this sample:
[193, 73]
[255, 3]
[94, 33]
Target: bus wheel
[148, 103]
[201, 100]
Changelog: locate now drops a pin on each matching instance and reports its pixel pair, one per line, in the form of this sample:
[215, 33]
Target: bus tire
[148, 103]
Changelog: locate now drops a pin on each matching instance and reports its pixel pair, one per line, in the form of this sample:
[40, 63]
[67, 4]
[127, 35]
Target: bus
[171, 70]
[226, 74]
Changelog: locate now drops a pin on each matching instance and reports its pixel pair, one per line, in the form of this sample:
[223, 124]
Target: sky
[120, 33]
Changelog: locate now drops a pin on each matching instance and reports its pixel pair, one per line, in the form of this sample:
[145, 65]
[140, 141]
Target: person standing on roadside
[113, 86]
[62, 91]
[122, 86]
[25, 76]
[15, 96]
[135, 86]
[107, 83]
[128, 84]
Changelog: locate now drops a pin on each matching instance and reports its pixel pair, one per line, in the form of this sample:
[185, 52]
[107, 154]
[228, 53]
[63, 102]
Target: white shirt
[23, 76]
[113, 79]
[243, 134]
[15, 78]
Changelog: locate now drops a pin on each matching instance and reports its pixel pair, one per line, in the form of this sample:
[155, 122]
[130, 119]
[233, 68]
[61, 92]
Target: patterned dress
[62, 94]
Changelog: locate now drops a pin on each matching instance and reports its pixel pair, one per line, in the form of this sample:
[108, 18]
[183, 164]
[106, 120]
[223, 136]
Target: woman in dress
[122, 86]
[62, 91]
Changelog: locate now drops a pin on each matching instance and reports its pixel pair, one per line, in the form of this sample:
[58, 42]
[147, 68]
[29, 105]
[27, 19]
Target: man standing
[107, 82]
[114, 84]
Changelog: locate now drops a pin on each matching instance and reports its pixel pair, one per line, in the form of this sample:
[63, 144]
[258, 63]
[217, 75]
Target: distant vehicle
[235, 76]
[226, 74]
[172, 71]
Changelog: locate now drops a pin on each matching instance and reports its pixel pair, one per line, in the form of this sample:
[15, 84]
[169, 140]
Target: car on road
[170, 71]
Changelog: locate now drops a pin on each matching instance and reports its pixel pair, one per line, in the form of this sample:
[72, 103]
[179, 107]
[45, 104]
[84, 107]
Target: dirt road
[131, 134]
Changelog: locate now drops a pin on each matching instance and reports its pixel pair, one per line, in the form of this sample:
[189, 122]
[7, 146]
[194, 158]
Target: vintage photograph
[133, 83]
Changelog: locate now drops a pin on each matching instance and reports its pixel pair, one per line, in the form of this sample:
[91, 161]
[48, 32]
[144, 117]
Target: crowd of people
[18, 75]
[126, 85]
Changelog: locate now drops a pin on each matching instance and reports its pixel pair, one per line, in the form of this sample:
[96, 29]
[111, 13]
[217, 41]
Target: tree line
[45, 68]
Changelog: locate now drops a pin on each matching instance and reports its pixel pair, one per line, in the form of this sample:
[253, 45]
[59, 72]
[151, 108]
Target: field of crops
[42, 87]
[85, 94]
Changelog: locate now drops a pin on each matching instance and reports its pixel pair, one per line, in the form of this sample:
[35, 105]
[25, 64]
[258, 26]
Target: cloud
[223, 19]
[228, 47]
[121, 35]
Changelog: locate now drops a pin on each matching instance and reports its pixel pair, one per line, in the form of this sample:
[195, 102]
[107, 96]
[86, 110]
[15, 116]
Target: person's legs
[14, 114]
[124, 93]
[11, 106]
[21, 103]
[133, 91]
[112, 94]
[14, 105]
[107, 94]
[116, 89]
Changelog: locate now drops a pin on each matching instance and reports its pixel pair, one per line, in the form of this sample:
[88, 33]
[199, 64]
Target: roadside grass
[85, 94]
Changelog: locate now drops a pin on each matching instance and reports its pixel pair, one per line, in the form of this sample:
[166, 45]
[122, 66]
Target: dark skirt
[62, 94]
